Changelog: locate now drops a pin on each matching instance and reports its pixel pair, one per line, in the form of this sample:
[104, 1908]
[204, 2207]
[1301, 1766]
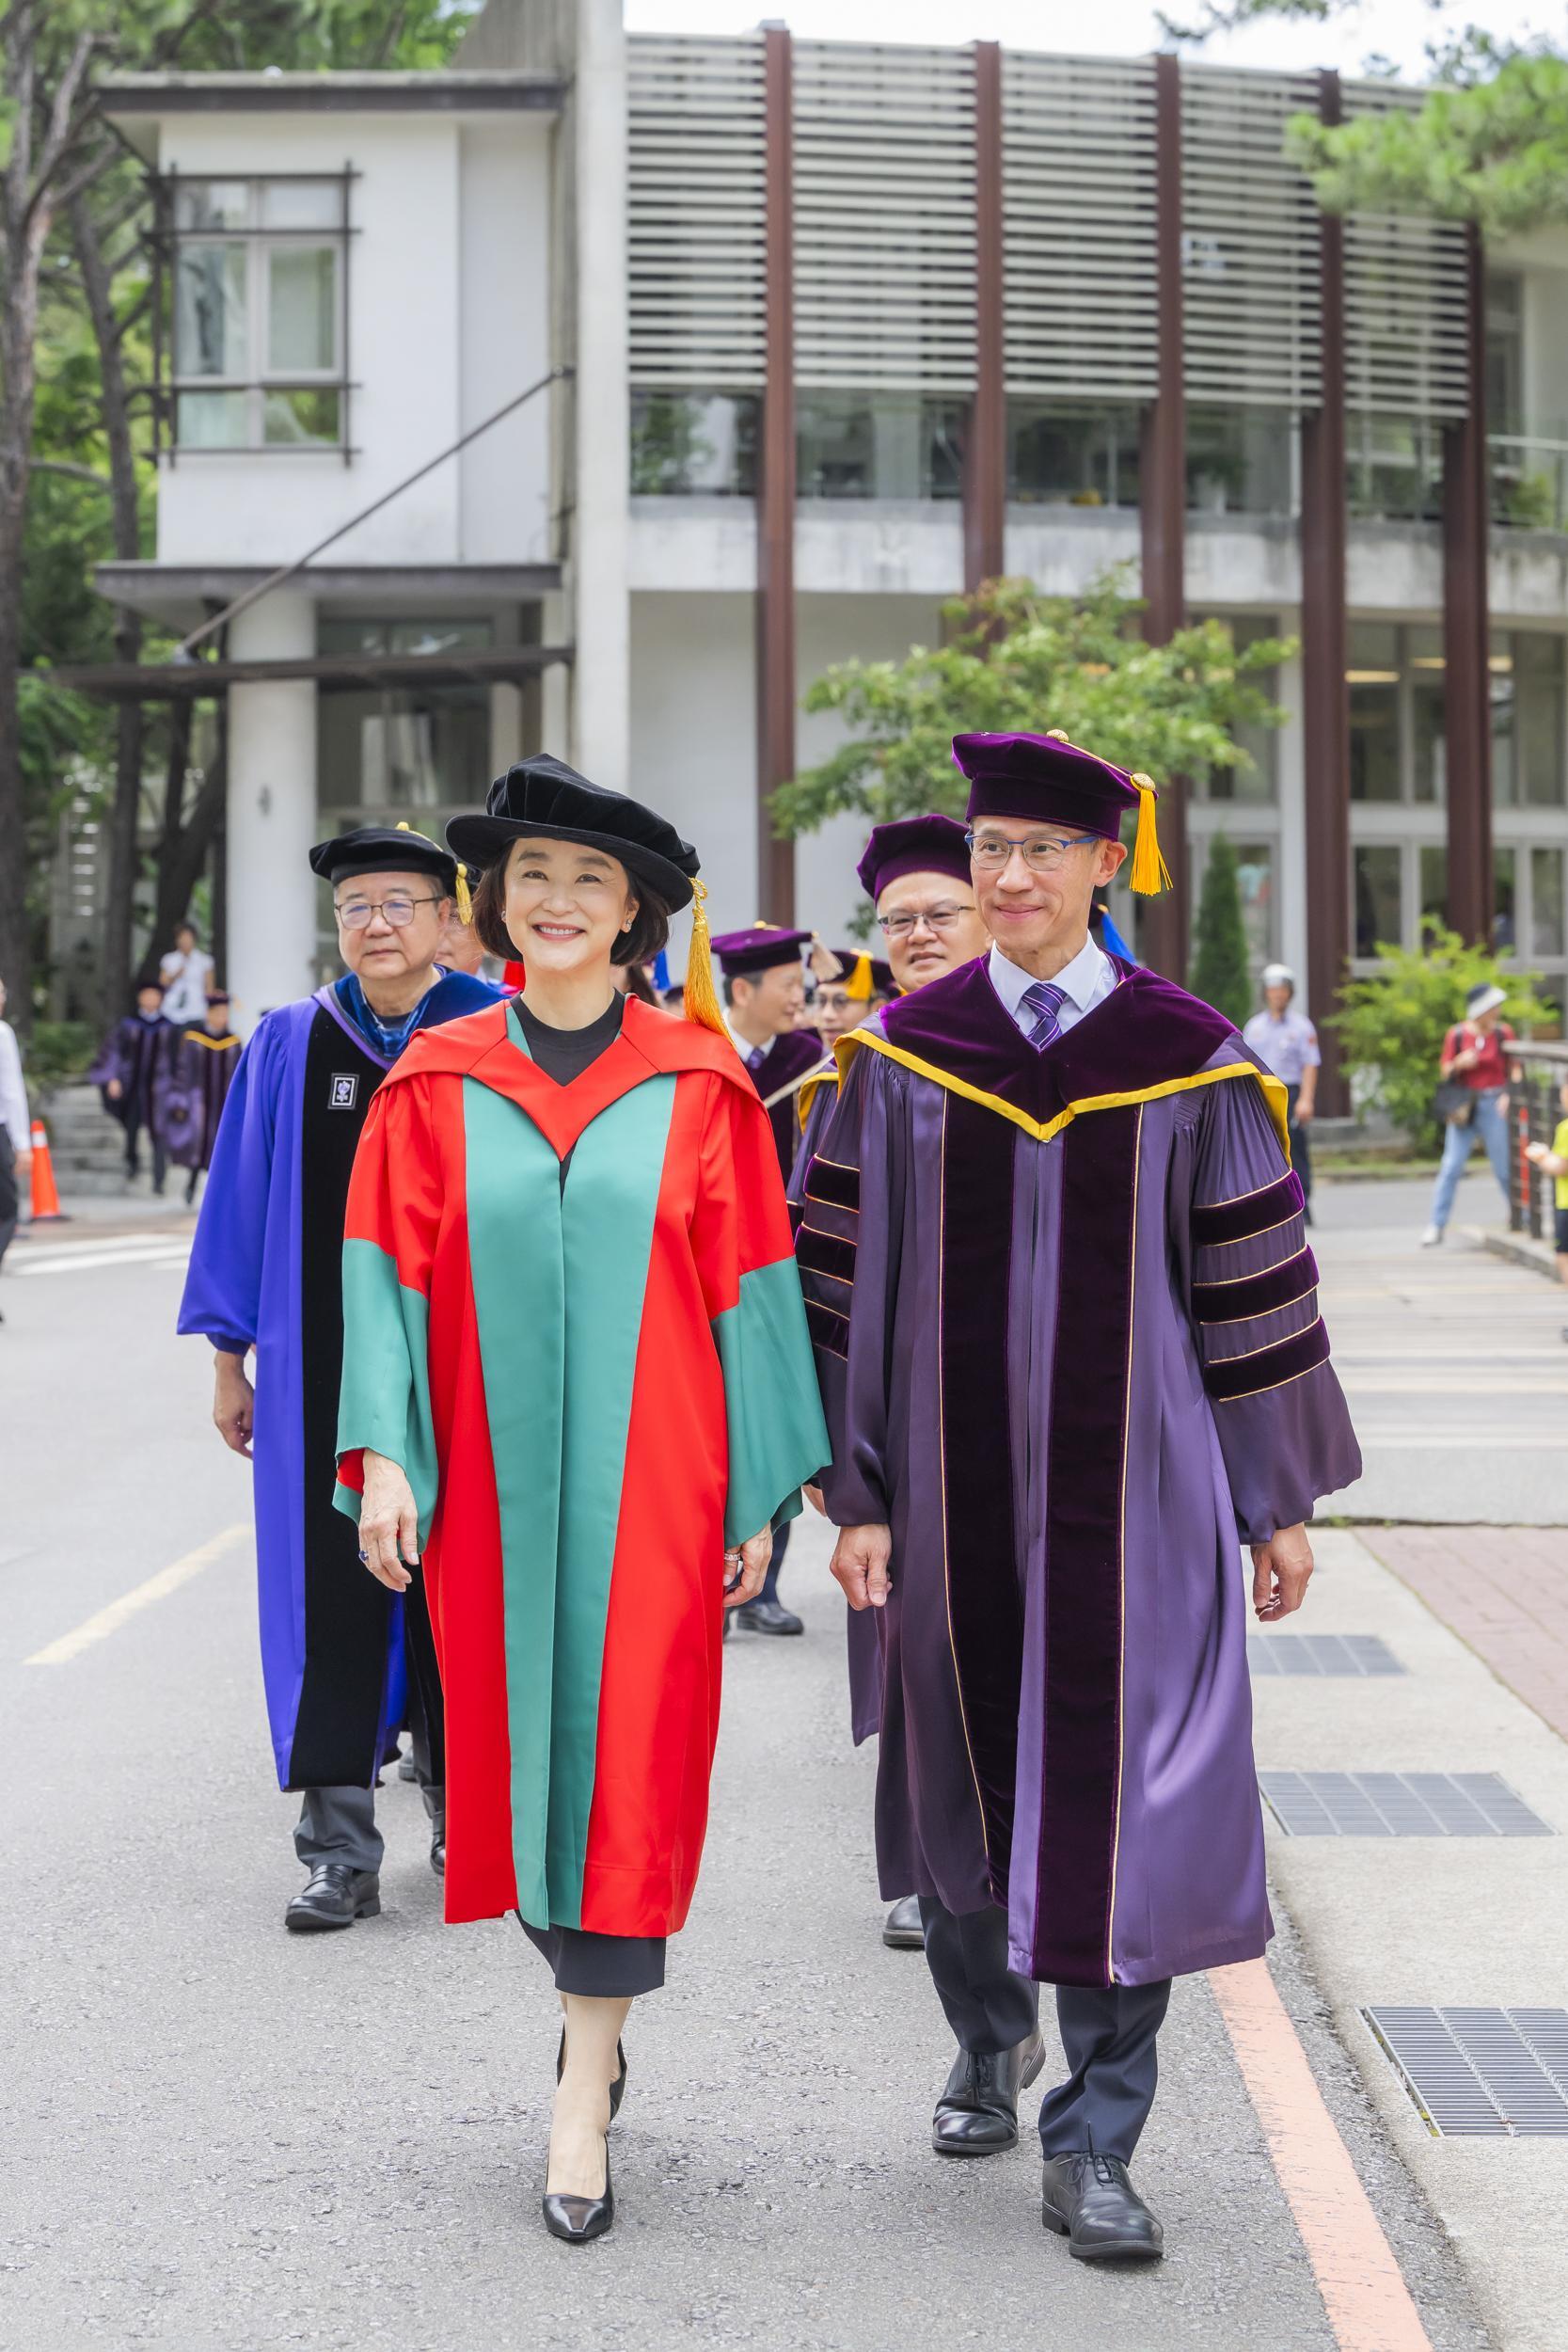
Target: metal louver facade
[1404, 298]
[884, 217]
[1250, 243]
[1078, 213]
[696, 213]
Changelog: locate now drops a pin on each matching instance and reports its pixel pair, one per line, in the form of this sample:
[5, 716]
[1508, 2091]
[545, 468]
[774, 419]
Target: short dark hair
[647, 937]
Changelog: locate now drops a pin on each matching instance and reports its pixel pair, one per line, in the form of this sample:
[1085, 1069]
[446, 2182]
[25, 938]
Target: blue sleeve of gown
[223, 1285]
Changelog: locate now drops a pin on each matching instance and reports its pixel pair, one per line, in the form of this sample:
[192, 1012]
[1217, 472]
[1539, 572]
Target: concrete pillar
[601, 685]
[1163, 924]
[272, 820]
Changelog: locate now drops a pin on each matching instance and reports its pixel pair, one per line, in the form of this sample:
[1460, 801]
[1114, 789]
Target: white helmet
[1279, 976]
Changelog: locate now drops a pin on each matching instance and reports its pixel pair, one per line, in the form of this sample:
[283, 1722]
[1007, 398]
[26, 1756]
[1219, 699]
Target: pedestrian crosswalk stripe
[90, 1261]
[109, 1620]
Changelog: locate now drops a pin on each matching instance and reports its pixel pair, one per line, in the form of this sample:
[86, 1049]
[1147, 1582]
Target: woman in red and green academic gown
[579, 1393]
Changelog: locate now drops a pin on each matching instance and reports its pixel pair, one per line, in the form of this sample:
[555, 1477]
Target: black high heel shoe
[576, 2219]
[617, 2089]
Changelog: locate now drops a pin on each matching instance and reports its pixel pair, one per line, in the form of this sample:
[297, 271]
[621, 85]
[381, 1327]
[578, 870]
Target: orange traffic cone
[46, 1199]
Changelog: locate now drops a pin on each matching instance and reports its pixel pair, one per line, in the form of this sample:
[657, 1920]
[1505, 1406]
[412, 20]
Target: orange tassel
[700, 1000]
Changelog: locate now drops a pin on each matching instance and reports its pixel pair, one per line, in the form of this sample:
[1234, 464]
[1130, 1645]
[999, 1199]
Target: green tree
[1222, 973]
[1392, 1024]
[1020, 661]
[1490, 144]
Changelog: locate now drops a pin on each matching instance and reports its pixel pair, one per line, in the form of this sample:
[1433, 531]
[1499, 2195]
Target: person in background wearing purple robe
[765, 994]
[915, 872]
[1071, 1359]
[190, 1091]
[128, 1070]
[266, 1273]
[859, 988]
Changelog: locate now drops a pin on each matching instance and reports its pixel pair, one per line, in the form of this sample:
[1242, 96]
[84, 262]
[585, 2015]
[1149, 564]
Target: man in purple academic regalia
[1068, 1340]
[266, 1273]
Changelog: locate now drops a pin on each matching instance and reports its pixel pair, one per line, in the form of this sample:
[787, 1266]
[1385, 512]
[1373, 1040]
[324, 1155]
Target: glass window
[684, 444]
[1546, 936]
[890, 445]
[301, 203]
[1374, 713]
[1505, 351]
[211, 310]
[1500, 696]
[211, 204]
[1067, 454]
[1395, 468]
[1425, 665]
[1239, 461]
[1378, 913]
[1255, 880]
[263, 314]
[212, 419]
[1538, 720]
[1505, 937]
[1435, 883]
[306, 418]
[302, 309]
[1257, 786]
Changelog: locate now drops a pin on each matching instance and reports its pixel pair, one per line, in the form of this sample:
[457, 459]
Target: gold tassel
[700, 1001]
[1149, 874]
[858, 985]
[465, 896]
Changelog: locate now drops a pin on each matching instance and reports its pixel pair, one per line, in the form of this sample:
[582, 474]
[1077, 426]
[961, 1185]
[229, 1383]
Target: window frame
[261, 241]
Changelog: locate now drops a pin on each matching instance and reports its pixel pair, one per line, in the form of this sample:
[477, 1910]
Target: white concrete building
[790, 284]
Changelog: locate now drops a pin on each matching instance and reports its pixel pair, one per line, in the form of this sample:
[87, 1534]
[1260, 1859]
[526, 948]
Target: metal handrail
[1536, 1072]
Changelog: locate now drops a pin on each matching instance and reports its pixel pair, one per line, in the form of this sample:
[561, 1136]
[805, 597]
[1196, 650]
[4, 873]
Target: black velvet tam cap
[542, 798]
[385, 850]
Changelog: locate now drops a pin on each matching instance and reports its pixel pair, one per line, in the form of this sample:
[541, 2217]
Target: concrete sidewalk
[1434, 1920]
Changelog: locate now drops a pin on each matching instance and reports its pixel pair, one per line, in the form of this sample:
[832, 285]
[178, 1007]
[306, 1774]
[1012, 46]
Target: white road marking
[109, 1620]
[90, 1261]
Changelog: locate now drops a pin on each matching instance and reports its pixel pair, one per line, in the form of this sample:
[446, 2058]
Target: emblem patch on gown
[345, 1089]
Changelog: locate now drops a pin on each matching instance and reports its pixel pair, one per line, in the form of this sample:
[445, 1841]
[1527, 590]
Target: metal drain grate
[1399, 1805]
[1320, 1653]
[1500, 2074]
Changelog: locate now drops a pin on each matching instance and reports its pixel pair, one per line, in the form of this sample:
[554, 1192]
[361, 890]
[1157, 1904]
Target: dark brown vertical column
[1162, 496]
[776, 689]
[1466, 627]
[1324, 649]
[985, 454]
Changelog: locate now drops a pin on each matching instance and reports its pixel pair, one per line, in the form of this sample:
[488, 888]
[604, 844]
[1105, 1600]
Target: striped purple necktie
[1045, 1000]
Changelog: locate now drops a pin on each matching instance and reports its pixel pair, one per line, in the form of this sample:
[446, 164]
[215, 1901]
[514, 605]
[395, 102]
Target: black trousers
[780, 1545]
[599, 1967]
[1108, 2036]
[1300, 1140]
[133, 1155]
[9, 1198]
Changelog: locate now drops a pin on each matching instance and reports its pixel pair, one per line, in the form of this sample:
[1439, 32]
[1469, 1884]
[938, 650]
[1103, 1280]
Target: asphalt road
[219, 2138]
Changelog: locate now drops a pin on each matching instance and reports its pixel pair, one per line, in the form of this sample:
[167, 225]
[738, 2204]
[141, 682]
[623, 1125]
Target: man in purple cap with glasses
[1068, 1343]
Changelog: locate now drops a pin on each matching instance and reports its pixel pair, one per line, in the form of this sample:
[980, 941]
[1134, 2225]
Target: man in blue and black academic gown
[764, 995]
[266, 1273]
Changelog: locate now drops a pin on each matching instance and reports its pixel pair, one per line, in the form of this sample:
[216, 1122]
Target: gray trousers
[339, 1825]
[1108, 2035]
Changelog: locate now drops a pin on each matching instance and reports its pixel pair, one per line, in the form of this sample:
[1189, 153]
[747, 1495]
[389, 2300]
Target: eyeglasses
[935, 919]
[354, 914]
[990, 851]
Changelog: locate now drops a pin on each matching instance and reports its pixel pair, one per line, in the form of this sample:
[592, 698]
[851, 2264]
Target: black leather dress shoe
[765, 1616]
[333, 1896]
[977, 2112]
[617, 2089]
[439, 1845]
[902, 1929]
[1090, 2201]
[576, 2219]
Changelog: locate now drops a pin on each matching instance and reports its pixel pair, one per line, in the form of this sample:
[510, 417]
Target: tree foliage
[1222, 968]
[1020, 661]
[1391, 1024]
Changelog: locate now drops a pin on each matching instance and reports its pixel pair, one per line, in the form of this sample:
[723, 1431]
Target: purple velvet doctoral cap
[1046, 778]
[743, 954]
[916, 845]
